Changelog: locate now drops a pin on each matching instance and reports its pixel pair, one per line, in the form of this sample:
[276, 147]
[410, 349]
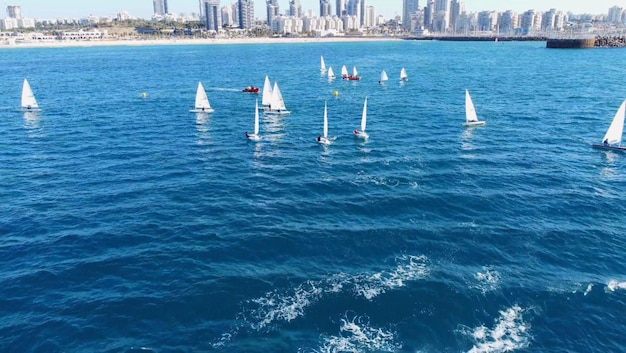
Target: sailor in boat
[29, 107]
[356, 132]
[606, 142]
[247, 135]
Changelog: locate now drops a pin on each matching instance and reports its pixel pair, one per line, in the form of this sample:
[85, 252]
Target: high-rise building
[457, 7]
[409, 7]
[272, 10]
[615, 14]
[295, 9]
[160, 7]
[246, 14]
[507, 22]
[354, 9]
[340, 7]
[429, 14]
[362, 11]
[14, 12]
[324, 8]
[212, 15]
[227, 16]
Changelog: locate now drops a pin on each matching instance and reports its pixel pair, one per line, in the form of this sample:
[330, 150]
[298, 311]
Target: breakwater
[597, 42]
[481, 38]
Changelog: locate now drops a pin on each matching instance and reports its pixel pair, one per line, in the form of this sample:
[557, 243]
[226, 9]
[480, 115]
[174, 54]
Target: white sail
[202, 100]
[355, 73]
[28, 97]
[403, 75]
[344, 71]
[277, 99]
[256, 118]
[331, 73]
[383, 76]
[364, 116]
[267, 92]
[325, 121]
[470, 111]
[614, 133]
[322, 64]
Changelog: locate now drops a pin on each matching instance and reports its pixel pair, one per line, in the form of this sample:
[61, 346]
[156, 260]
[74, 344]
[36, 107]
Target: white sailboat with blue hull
[471, 118]
[613, 138]
[29, 103]
[202, 101]
[255, 136]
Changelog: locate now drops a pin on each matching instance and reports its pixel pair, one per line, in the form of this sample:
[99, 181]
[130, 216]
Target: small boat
[255, 136]
[362, 133]
[471, 119]
[344, 72]
[331, 73]
[403, 76]
[324, 138]
[267, 92]
[277, 104]
[613, 138]
[383, 77]
[322, 64]
[29, 103]
[202, 101]
[355, 75]
[251, 89]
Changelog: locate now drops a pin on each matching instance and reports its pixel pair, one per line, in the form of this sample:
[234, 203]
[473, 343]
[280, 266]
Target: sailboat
[324, 138]
[202, 101]
[362, 133]
[255, 136]
[355, 74]
[266, 98]
[277, 104]
[331, 73]
[322, 65]
[344, 72]
[403, 76]
[613, 138]
[471, 119]
[29, 103]
[383, 77]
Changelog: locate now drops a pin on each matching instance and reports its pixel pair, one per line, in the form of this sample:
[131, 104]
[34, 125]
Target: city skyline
[387, 8]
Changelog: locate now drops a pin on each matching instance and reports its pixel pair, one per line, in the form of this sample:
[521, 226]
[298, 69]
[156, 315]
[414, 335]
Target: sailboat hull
[475, 123]
[26, 110]
[605, 147]
[276, 112]
[210, 110]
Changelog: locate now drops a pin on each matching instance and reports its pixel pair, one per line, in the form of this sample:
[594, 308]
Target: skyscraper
[362, 13]
[295, 9]
[340, 7]
[14, 12]
[212, 16]
[272, 10]
[324, 8]
[160, 7]
[246, 14]
[409, 7]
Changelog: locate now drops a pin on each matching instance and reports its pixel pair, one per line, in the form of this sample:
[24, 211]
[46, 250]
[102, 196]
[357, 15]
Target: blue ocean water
[128, 224]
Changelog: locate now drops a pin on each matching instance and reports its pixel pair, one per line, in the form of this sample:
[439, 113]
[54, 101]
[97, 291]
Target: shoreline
[228, 41]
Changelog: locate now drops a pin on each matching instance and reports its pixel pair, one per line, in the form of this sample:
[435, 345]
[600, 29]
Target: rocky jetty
[610, 42]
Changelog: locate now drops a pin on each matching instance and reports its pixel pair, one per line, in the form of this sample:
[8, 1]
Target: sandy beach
[147, 42]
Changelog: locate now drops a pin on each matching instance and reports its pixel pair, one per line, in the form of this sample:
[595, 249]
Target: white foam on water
[286, 306]
[408, 268]
[588, 290]
[356, 335]
[487, 280]
[509, 333]
[613, 285]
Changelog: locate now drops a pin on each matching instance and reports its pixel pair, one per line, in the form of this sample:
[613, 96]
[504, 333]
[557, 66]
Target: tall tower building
[295, 9]
[362, 12]
[246, 14]
[160, 7]
[324, 8]
[212, 15]
[354, 9]
[272, 10]
[340, 7]
[409, 7]
[14, 12]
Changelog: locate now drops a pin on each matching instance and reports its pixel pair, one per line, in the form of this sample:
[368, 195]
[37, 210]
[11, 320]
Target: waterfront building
[246, 14]
[340, 7]
[160, 7]
[409, 7]
[487, 21]
[354, 9]
[295, 8]
[272, 10]
[370, 17]
[212, 15]
[429, 14]
[615, 15]
[507, 22]
[14, 12]
[287, 25]
[324, 8]
[457, 8]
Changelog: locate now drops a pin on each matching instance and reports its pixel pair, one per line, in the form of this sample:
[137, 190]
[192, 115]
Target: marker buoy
[336, 93]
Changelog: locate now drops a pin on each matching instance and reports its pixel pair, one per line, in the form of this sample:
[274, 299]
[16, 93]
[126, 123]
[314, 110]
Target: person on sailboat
[356, 132]
[247, 135]
[606, 142]
[319, 138]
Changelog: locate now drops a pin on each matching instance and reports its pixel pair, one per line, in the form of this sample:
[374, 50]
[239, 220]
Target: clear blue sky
[388, 8]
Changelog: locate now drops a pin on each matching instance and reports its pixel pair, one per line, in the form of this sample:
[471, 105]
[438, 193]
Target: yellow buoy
[144, 94]
[336, 93]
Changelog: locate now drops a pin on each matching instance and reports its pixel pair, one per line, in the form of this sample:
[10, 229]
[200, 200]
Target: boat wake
[356, 335]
